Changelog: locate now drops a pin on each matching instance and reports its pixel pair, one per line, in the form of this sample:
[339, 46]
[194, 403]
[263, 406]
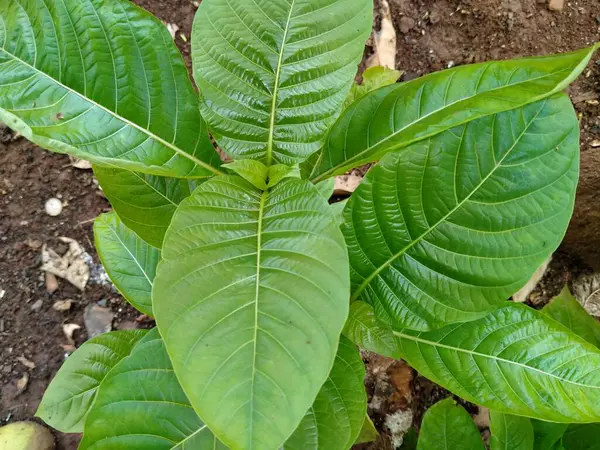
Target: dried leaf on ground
[69, 329]
[71, 266]
[27, 363]
[586, 289]
[384, 40]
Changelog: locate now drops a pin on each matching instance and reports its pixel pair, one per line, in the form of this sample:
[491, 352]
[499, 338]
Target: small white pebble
[53, 207]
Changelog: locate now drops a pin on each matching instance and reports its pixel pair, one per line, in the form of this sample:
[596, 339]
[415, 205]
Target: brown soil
[432, 34]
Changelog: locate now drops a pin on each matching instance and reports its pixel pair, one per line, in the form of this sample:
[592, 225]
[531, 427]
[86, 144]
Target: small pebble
[53, 207]
[37, 306]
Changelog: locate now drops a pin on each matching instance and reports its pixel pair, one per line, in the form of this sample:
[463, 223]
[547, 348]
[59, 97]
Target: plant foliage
[252, 276]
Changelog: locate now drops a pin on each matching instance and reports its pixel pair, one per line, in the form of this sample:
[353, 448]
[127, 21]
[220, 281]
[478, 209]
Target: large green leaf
[336, 418]
[141, 406]
[447, 425]
[365, 330]
[565, 309]
[548, 435]
[510, 432]
[449, 228]
[396, 116]
[101, 80]
[250, 297]
[275, 73]
[129, 261]
[516, 361]
[145, 203]
[72, 392]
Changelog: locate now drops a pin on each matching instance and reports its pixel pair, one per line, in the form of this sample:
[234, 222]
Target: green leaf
[129, 261]
[336, 418]
[275, 73]
[326, 188]
[548, 434]
[253, 171]
[101, 80]
[516, 361]
[510, 432]
[372, 78]
[337, 209]
[363, 328]
[72, 392]
[582, 437]
[250, 297]
[447, 229]
[368, 433]
[145, 203]
[447, 425]
[140, 406]
[565, 309]
[394, 117]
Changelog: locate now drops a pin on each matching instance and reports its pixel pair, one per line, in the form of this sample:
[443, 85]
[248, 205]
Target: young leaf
[145, 203]
[102, 81]
[250, 170]
[129, 261]
[516, 361]
[368, 432]
[363, 328]
[250, 298]
[373, 78]
[275, 73]
[510, 432]
[141, 406]
[565, 309]
[72, 392]
[396, 116]
[447, 229]
[338, 413]
[447, 425]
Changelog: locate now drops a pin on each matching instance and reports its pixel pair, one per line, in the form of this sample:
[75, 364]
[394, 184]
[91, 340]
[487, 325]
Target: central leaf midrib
[261, 212]
[459, 205]
[150, 134]
[276, 87]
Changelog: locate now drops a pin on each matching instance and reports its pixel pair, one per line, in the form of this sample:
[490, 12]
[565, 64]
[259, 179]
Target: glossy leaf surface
[396, 116]
[129, 261]
[547, 435]
[275, 73]
[250, 297]
[140, 406]
[145, 203]
[565, 309]
[336, 418]
[447, 425]
[516, 361]
[101, 80]
[510, 432]
[449, 228]
[72, 392]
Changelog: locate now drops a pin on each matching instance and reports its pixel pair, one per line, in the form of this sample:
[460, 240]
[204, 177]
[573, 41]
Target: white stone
[53, 207]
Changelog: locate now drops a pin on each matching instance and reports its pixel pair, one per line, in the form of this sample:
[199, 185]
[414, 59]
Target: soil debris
[62, 305]
[71, 266]
[98, 320]
[556, 5]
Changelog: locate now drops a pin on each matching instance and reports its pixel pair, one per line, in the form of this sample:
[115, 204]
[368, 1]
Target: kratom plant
[250, 274]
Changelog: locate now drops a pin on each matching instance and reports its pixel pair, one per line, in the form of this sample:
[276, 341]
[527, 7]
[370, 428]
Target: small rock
[98, 320]
[406, 24]
[556, 5]
[37, 306]
[102, 303]
[53, 207]
[25, 436]
[62, 305]
[34, 244]
[128, 325]
[595, 144]
[51, 283]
